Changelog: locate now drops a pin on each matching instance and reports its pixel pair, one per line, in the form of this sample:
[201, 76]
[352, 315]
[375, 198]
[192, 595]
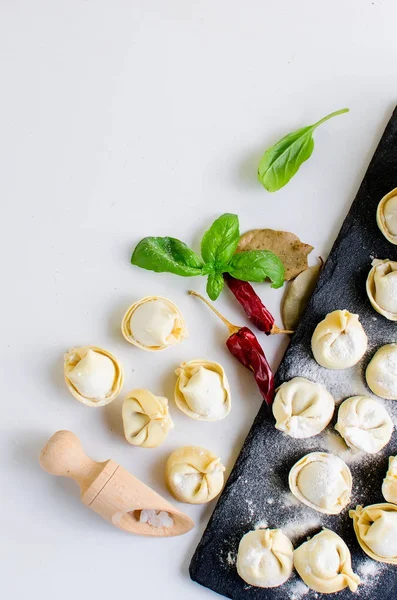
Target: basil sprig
[282, 161]
[218, 247]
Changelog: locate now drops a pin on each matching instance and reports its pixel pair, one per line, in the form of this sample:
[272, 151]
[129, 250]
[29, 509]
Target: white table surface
[124, 119]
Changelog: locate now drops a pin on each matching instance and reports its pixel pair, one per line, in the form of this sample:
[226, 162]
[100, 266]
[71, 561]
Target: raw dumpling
[324, 563]
[322, 481]
[386, 216]
[381, 373]
[382, 288]
[339, 341]
[194, 475]
[389, 487]
[202, 390]
[364, 424]
[302, 408]
[376, 530]
[264, 558]
[154, 323]
[93, 375]
[145, 418]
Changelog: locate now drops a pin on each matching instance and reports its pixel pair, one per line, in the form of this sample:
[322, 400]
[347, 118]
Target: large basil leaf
[220, 241]
[166, 255]
[280, 162]
[257, 265]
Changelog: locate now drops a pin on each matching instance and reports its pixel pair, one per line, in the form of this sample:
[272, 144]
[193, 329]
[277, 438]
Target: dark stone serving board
[257, 489]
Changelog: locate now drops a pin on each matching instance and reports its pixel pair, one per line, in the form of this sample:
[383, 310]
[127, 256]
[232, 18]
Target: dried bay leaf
[298, 295]
[287, 246]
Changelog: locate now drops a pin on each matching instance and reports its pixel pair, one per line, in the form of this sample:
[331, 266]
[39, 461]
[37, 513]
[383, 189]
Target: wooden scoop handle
[63, 455]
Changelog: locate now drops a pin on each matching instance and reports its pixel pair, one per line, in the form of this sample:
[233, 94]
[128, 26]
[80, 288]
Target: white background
[121, 119]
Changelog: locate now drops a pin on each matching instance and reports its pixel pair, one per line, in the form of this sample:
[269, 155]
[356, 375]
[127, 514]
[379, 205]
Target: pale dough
[376, 530]
[145, 419]
[264, 558]
[322, 481]
[364, 423]
[324, 563]
[202, 390]
[194, 475]
[339, 341]
[302, 408]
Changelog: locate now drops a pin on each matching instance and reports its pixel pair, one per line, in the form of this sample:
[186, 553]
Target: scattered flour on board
[336, 445]
[340, 383]
[297, 591]
[369, 572]
[251, 507]
[231, 558]
[290, 500]
[301, 525]
[263, 524]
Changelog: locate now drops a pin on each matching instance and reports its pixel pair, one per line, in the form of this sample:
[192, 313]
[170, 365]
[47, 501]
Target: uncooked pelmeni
[381, 373]
[389, 487]
[339, 341]
[202, 390]
[324, 563]
[302, 408]
[264, 558]
[364, 424]
[93, 375]
[382, 288]
[194, 475]
[322, 481]
[145, 419]
[386, 216]
[376, 530]
[154, 323]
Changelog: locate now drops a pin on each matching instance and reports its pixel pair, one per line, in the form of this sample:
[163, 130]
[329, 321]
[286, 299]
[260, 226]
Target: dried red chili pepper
[244, 346]
[254, 308]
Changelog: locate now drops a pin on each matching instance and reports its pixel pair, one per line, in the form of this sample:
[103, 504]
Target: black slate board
[257, 488]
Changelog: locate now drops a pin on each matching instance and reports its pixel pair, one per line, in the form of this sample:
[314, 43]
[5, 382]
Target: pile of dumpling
[95, 377]
[321, 480]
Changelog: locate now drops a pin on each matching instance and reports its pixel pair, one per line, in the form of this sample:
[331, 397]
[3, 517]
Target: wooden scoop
[109, 489]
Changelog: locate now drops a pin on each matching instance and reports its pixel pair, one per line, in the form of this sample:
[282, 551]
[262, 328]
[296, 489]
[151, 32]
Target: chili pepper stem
[275, 330]
[232, 328]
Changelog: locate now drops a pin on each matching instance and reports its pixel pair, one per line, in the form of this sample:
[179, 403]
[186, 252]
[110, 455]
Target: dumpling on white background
[202, 390]
[194, 475]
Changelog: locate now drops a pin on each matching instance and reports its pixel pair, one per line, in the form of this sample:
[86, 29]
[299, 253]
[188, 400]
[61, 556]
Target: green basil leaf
[282, 161]
[257, 265]
[166, 255]
[215, 284]
[219, 243]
